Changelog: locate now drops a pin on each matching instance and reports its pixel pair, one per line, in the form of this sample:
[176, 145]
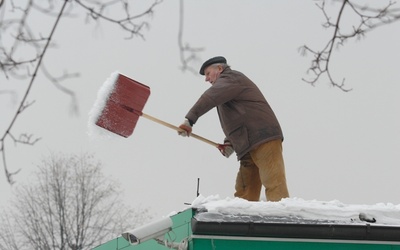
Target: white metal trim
[217, 237]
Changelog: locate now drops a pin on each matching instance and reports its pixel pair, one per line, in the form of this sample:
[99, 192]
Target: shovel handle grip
[198, 137]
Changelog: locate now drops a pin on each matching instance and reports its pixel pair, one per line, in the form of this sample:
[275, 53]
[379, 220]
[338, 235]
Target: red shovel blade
[124, 106]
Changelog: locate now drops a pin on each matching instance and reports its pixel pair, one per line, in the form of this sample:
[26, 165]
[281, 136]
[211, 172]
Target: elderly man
[250, 126]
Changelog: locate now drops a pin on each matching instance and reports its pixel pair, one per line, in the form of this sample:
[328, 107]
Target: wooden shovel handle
[179, 129]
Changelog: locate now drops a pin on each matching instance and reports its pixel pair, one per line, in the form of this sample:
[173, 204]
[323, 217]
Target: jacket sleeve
[223, 90]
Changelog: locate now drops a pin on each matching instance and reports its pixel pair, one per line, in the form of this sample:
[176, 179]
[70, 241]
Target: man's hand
[226, 149]
[186, 128]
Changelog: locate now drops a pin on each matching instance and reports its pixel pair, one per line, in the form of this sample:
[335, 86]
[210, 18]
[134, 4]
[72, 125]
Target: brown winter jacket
[246, 117]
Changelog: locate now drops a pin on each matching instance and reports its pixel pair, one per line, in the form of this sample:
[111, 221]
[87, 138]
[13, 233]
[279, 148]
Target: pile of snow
[103, 94]
[240, 210]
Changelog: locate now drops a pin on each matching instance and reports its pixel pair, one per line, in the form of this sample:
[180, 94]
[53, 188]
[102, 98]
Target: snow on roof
[296, 209]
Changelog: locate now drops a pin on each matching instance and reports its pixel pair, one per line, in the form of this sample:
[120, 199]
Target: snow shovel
[124, 101]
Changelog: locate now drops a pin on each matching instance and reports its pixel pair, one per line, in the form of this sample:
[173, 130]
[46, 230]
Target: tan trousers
[262, 166]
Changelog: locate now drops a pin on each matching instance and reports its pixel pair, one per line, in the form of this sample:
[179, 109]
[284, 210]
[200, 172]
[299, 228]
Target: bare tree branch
[368, 19]
[127, 23]
[57, 83]
[22, 105]
[18, 28]
[185, 49]
[70, 205]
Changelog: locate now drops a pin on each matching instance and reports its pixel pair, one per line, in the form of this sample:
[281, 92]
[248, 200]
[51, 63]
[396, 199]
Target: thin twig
[185, 49]
[22, 105]
[369, 19]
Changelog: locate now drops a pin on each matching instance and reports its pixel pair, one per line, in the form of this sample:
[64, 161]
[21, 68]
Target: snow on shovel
[119, 105]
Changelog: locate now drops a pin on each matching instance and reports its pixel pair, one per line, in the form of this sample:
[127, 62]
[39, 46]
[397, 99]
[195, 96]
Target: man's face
[212, 73]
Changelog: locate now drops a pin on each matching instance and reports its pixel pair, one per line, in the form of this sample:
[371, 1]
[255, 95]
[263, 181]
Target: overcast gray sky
[338, 146]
